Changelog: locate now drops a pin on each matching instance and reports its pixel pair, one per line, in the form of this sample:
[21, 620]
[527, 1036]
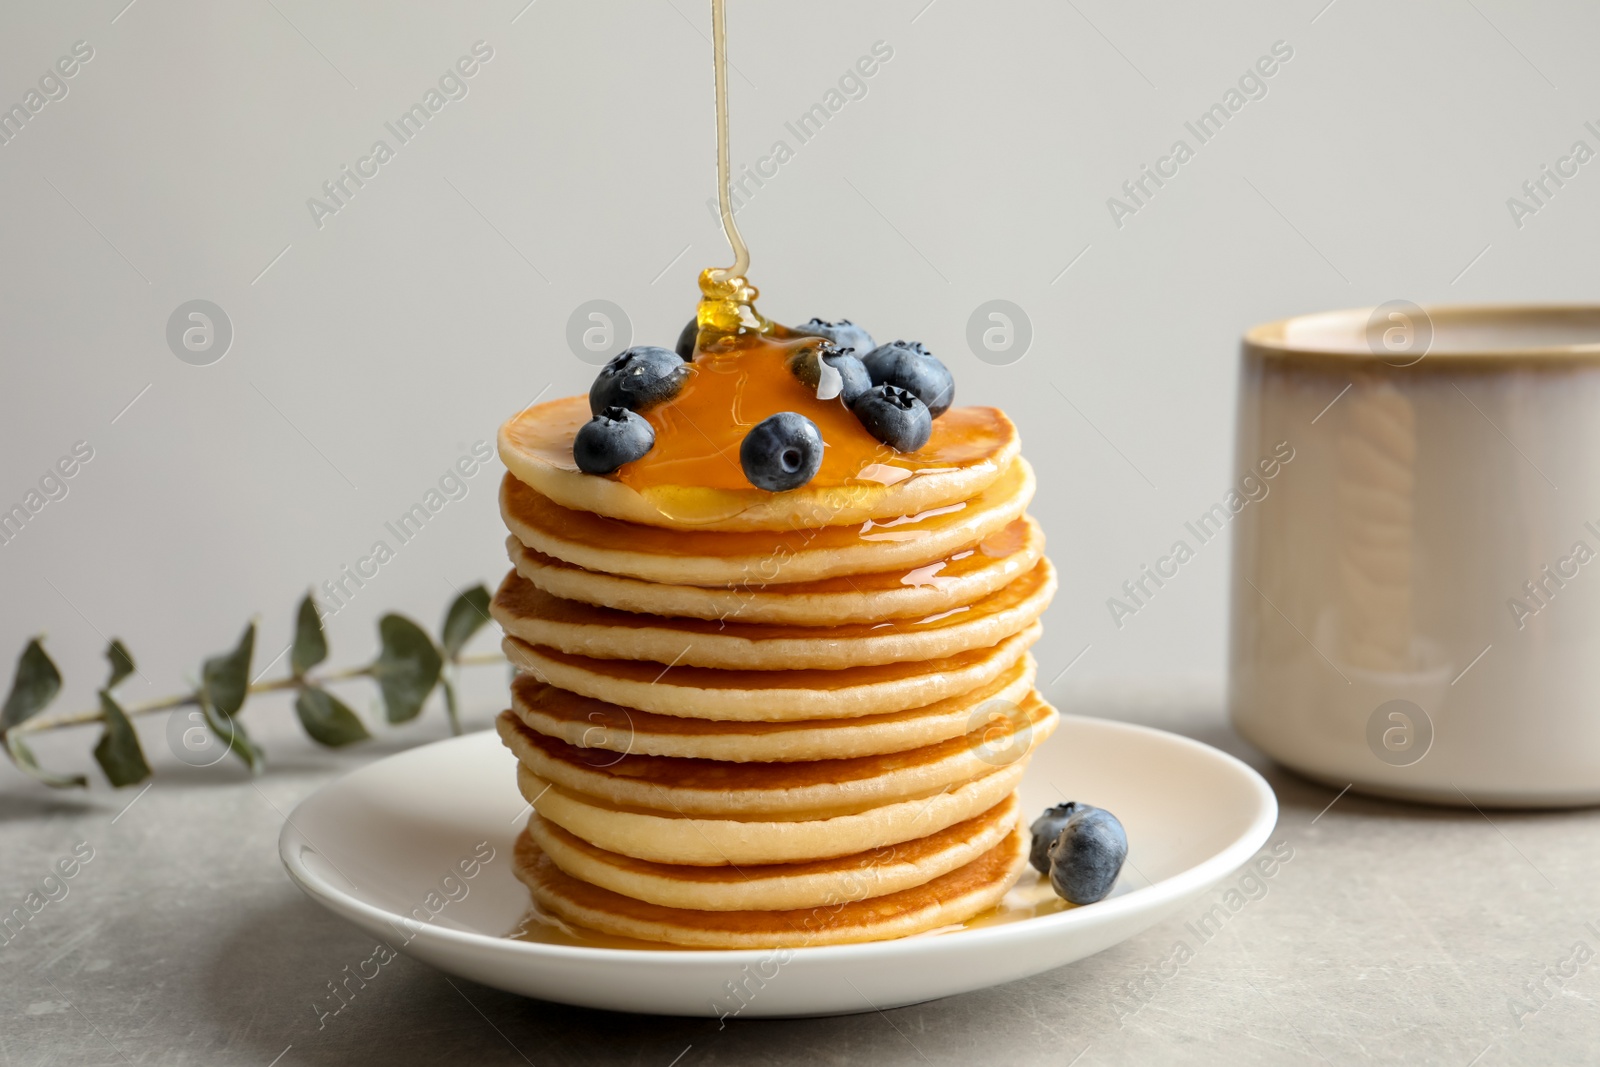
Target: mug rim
[1269, 340]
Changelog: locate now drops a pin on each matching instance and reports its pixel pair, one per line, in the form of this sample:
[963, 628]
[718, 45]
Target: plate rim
[1175, 888]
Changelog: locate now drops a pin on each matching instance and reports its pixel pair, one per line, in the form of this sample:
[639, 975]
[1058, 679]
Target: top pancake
[536, 447]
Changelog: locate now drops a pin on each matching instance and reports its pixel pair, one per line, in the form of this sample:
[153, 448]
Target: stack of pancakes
[792, 719]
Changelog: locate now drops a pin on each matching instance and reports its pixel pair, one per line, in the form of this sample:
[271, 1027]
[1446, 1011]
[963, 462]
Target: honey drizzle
[727, 304]
[719, 57]
[727, 301]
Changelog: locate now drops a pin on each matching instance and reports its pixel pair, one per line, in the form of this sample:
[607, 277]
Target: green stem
[450, 704]
[42, 723]
[80, 718]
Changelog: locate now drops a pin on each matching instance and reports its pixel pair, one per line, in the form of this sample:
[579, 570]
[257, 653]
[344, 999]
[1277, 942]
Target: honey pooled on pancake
[743, 370]
[705, 437]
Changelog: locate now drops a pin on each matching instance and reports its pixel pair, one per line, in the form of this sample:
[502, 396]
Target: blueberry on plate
[895, 416]
[782, 451]
[843, 333]
[636, 378]
[687, 338]
[1087, 855]
[1045, 829]
[908, 365]
[610, 439]
[845, 376]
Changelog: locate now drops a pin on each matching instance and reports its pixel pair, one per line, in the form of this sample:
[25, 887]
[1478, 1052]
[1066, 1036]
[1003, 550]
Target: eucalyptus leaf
[232, 733]
[310, 644]
[23, 757]
[467, 615]
[121, 662]
[35, 684]
[407, 667]
[225, 679]
[328, 719]
[118, 752]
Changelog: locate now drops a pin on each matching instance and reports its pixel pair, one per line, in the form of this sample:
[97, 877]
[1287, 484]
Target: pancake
[594, 724]
[664, 836]
[777, 886]
[976, 443]
[803, 553]
[770, 696]
[959, 578]
[527, 612]
[1002, 733]
[951, 898]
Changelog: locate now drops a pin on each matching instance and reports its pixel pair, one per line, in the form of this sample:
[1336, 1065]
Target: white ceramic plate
[396, 839]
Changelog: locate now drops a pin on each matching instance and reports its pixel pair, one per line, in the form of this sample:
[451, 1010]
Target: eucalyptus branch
[409, 666]
[44, 723]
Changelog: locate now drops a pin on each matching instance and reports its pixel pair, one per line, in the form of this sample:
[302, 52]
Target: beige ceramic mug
[1416, 607]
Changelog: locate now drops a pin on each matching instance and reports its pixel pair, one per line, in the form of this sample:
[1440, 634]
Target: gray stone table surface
[1392, 934]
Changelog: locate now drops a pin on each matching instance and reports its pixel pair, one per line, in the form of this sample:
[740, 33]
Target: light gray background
[978, 166]
[372, 352]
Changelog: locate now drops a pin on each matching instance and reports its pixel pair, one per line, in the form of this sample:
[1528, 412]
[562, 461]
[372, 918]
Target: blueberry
[852, 382]
[686, 340]
[1087, 855]
[894, 416]
[610, 439]
[637, 378]
[843, 333]
[782, 451]
[908, 365]
[1045, 829]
